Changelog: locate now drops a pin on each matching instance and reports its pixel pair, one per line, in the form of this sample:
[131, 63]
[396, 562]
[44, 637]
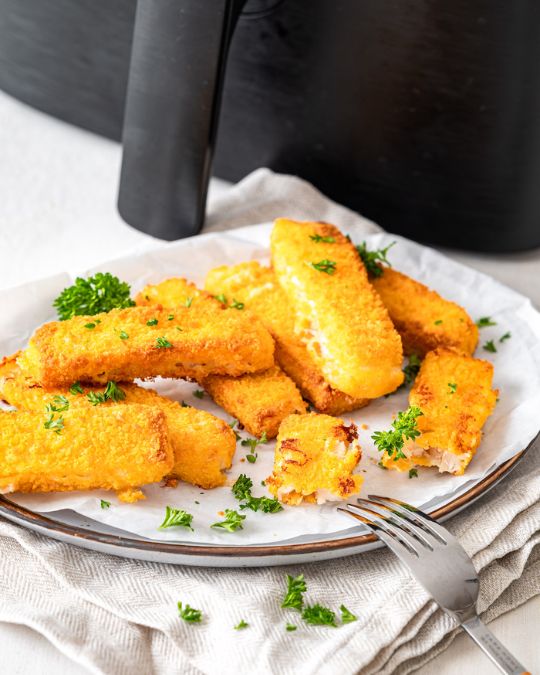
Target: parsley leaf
[242, 624]
[489, 346]
[123, 335]
[296, 587]
[346, 615]
[199, 393]
[403, 428]
[94, 295]
[237, 305]
[374, 259]
[105, 504]
[55, 425]
[152, 322]
[413, 473]
[76, 388]
[162, 343]
[506, 336]
[317, 615]
[242, 487]
[59, 404]
[96, 397]
[90, 326]
[318, 239]
[326, 266]
[242, 491]
[233, 521]
[112, 393]
[485, 321]
[452, 386]
[189, 614]
[176, 518]
[222, 298]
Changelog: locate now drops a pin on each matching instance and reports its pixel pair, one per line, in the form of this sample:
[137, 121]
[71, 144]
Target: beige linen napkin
[119, 616]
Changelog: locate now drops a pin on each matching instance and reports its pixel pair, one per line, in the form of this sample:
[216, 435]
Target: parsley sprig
[162, 343]
[94, 295]
[296, 587]
[241, 625]
[485, 321]
[233, 521]
[346, 615]
[59, 404]
[242, 491]
[319, 239]
[317, 615]
[252, 443]
[76, 388]
[373, 260]
[489, 346]
[112, 393]
[189, 614]
[176, 518]
[403, 428]
[55, 424]
[326, 266]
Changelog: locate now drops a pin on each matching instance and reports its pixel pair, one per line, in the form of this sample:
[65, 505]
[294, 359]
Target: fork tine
[397, 519]
[413, 515]
[394, 536]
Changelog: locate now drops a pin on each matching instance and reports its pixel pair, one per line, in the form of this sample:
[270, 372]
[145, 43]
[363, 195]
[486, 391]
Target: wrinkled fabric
[119, 616]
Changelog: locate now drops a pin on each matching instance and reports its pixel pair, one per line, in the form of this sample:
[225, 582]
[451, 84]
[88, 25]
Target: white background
[57, 210]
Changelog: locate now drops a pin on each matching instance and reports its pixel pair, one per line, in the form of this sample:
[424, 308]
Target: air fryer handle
[172, 107]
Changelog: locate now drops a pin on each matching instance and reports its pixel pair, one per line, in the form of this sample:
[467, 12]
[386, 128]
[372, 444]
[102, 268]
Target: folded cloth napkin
[119, 616]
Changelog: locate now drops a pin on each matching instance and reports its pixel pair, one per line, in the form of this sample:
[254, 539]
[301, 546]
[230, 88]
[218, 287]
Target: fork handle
[496, 651]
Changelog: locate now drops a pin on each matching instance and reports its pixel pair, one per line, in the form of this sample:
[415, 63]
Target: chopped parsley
[294, 597]
[162, 343]
[152, 322]
[112, 393]
[105, 504]
[346, 615]
[403, 428]
[489, 346]
[438, 322]
[222, 298]
[326, 266]
[241, 625]
[59, 404]
[411, 369]
[176, 518]
[188, 302]
[318, 239]
[54, 424]
[233, 521]
[123, 335]
[506, 336]
[94, 295]
[189, 614]
[374, 259]
[76, 388]
[452, 386]
[242, 491]
[317, 615]
[170, 317]
[485, 321]
[413, 473]
[232, 424]
[199, 393]
[237, 305]
[90, 326]
[252, 443]
[96, 397]
[290, 627]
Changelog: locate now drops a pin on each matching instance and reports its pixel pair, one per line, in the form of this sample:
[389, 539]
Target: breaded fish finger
[453, 391]
[257, 288]
[260, 401]
[340, 317]
[203, 445]
[422, 317]
[115, 448]
[143, 342]
[314, 459]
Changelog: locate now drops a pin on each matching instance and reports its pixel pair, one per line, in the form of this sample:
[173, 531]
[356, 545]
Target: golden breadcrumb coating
[314, 460]
[256, 286]
[339, 316]
[203, 445]
[260, 402]
[114, 448]
[190, 342]
[424, 320]
[453, 391]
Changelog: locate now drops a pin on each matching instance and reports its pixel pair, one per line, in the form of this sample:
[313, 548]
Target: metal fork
[439, 562]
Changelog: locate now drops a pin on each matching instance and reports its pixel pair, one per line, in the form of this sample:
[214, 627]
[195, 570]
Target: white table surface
[58, 190]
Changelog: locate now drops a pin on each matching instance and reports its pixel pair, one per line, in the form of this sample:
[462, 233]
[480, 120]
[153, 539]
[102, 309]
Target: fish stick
[143, 342]
[114, 448]
[259, 401]
[340, 317]
[314, 459]
[422, 317]
[453, 391]
[203, 445]
[257, 288]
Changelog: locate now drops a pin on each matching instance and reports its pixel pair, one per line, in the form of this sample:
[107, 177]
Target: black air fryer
[423, 115]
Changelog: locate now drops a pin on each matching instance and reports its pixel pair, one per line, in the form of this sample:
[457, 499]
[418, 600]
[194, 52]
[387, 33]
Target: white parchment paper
[514, 423]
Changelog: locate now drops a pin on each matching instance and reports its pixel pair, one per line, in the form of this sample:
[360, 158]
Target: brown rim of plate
[22, 515]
